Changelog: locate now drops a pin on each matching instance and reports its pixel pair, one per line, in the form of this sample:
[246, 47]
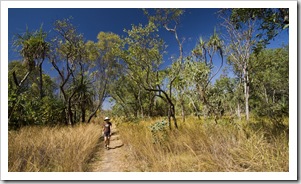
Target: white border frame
[291, 175]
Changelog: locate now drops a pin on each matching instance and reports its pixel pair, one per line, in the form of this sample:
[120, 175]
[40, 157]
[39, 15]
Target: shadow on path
[119, 146]
[113, 133]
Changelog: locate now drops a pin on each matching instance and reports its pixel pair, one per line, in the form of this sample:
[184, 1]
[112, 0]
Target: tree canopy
[128, 69]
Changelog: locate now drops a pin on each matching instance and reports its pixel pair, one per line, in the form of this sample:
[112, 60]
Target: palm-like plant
[204, 52]
[33, 47]
[82, 93]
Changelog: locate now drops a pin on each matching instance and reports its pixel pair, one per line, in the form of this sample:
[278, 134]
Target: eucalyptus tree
[106, 66]
[66, 56]
[143, 57]
[242, 41]
[131, 98]
[169, 19]
[250, 30]
[85, 69]
[271, 21]
[122, 91]
[80, 85]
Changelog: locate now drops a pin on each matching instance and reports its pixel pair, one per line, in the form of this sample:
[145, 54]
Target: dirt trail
[115, 159]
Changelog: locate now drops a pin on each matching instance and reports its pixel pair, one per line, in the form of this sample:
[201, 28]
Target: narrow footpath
[115, 159]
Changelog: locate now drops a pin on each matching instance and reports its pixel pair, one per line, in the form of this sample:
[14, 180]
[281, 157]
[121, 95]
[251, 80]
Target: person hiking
[107, 131]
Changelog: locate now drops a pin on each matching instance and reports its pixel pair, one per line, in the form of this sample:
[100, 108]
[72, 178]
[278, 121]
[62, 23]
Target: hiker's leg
[105, 140]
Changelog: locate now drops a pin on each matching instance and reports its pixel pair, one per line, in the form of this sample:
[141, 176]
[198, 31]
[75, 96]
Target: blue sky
[194, 23]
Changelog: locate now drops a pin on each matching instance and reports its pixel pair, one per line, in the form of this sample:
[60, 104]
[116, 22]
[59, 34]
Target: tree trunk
[18, 84]
[202, 96]
[41, 80]
[70, 114]
[140, 105]
[171, 107]
[246, 91]
[101, 98]
[195, 108]
[169, 114]
[238, 111]
[173, 115]
[70, 117]
[93, 113]
[98, 107]
[64, 113]
[83, 114]
[205, 111]
[151, 104]
[183, 113]
[183, 109]
[266, 95]
[74, 117]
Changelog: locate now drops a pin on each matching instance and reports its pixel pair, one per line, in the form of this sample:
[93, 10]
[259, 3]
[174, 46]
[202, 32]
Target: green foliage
[24, 103]
[167, 17]
[271, 22]
[36, 111]
[222, 96]
[159, 132]
[201, 69]
[32, 46]
[197, 72]
[109, 46]
[144, 53]
[271, 80]
[128, 69]
[142, 57]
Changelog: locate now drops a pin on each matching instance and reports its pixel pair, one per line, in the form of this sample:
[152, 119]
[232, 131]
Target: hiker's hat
[107, 118]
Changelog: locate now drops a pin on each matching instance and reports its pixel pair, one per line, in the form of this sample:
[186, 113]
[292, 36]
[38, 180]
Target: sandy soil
[115, 159]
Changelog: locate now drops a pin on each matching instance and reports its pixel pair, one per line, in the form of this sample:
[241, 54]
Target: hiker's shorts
[106, 134]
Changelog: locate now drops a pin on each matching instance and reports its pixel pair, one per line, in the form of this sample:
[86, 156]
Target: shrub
[159, 132]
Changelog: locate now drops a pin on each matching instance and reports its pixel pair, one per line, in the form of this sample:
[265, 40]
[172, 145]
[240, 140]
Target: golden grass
[197, 146]
[46, 149]
[200, 145]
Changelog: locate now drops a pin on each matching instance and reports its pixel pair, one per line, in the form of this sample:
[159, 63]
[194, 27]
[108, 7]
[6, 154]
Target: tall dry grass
[59, 149]
[200, 145]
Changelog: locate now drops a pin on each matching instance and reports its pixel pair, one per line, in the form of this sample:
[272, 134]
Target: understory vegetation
[198, 145]
[203, 146]
[52, 149]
